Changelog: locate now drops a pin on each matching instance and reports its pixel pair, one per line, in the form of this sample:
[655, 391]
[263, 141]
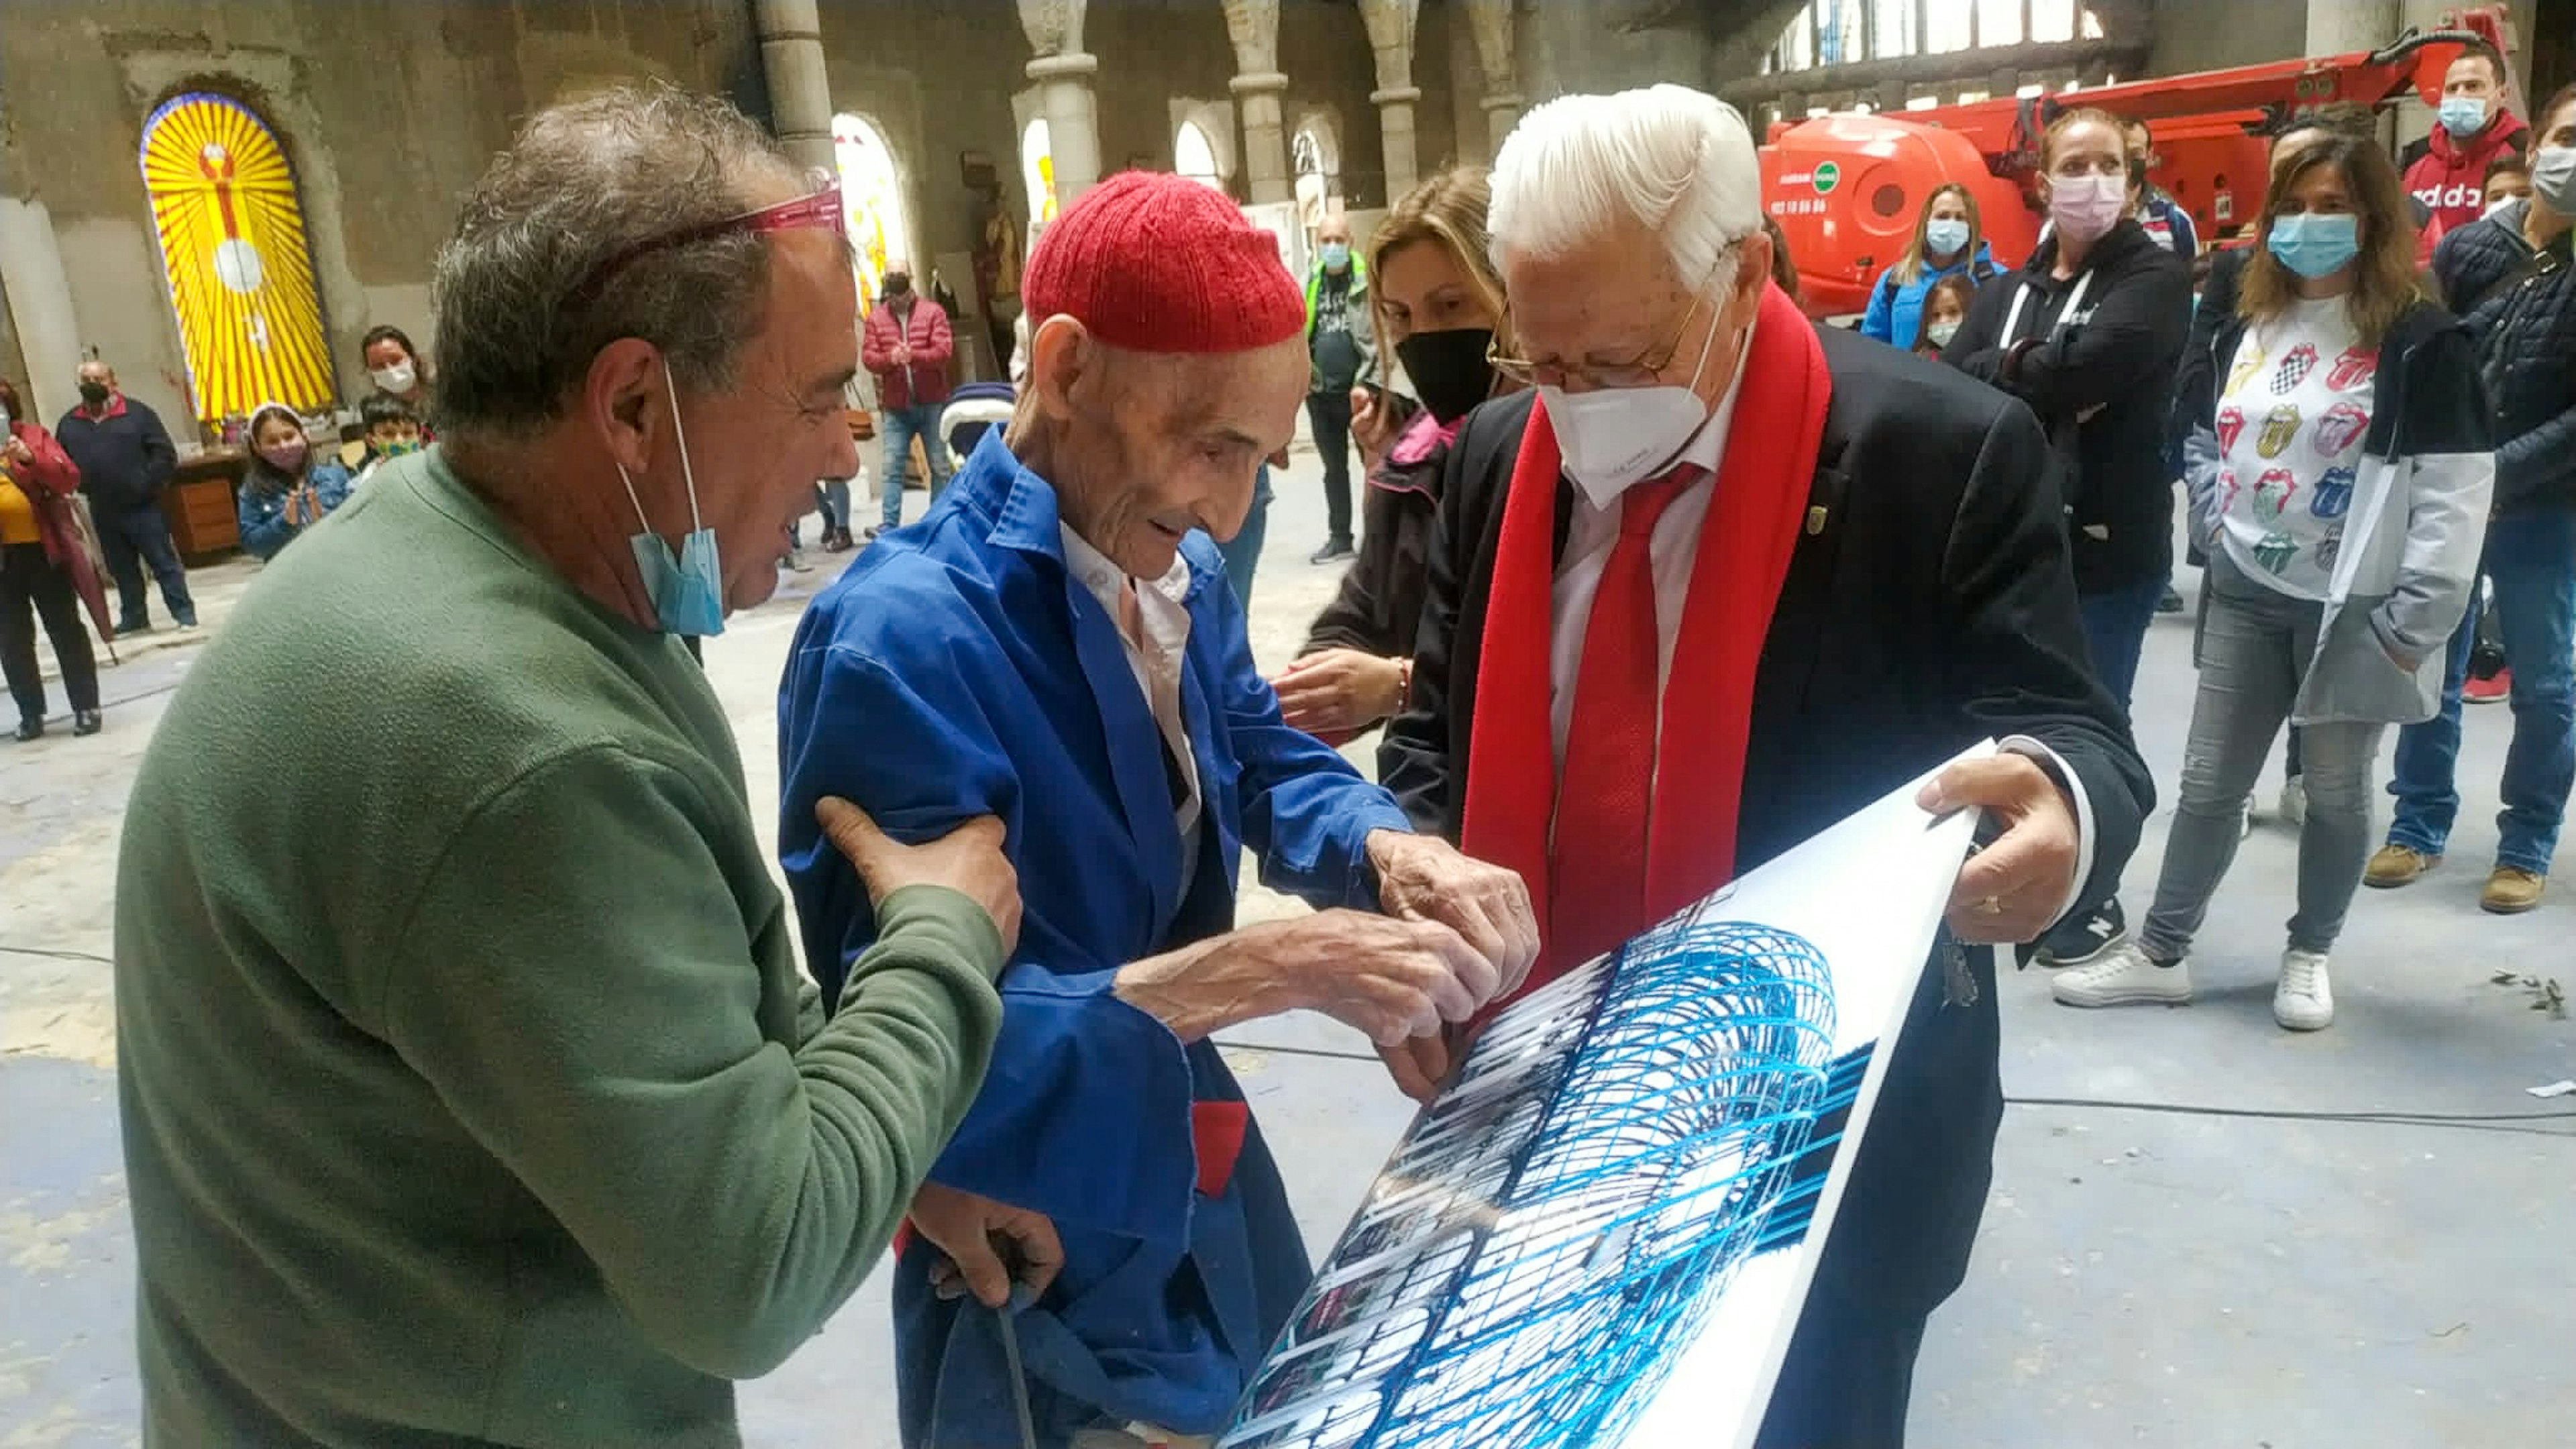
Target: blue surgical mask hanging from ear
[687, 591]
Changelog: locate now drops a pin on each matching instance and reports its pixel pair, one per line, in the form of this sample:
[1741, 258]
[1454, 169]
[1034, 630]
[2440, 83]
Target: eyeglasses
[1645, 371]
[816, 210]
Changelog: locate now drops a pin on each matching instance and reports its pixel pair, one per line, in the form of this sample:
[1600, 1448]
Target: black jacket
[1930, 609]
[2102, 385]
[1380, 602]
[125, 458]
[2520, 307]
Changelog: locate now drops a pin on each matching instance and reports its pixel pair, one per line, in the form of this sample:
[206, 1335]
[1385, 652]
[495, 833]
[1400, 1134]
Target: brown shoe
[2397, 865]
[2511, 891]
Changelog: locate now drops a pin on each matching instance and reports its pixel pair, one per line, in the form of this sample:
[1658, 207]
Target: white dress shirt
[1672, 551]
[1154, 627]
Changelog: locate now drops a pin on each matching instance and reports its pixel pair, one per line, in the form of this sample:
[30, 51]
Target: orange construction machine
[1846, 188]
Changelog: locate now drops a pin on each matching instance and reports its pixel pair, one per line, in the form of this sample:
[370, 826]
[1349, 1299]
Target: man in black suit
[1816, 567]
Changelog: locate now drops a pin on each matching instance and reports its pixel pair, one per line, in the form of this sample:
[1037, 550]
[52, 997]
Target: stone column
[1490, 21]
[1253, 26]
[800, 96]
[1390, 32]
[40, 304]
[1063, 73]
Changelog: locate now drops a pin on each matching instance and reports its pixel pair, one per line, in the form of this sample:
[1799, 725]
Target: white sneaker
[2304, 1001]
[2125, 977]
[2294, 802]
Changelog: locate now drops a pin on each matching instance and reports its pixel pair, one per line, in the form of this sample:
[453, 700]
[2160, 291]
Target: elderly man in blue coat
[1054, 646]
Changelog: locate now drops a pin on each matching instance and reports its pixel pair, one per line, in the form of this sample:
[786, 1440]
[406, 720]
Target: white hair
[1676, 161]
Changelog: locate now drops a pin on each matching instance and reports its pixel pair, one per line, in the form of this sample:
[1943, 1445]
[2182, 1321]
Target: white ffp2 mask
[1613, 437]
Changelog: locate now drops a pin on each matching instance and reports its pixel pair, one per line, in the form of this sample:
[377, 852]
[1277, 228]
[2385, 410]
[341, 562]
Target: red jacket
[925, 329]
[50, 482]
[2451, 176]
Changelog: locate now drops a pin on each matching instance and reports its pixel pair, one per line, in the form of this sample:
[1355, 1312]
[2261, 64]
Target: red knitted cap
[1159, 263]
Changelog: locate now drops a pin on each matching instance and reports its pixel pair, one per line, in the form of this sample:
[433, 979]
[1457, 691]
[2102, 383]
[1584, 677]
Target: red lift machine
[1846, 188]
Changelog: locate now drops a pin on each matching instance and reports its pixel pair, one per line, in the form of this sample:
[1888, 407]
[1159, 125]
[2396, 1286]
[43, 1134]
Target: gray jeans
[2254, 650]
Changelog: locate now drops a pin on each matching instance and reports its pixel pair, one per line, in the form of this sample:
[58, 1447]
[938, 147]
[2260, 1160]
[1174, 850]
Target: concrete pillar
[1390, 32]
[1490, 21]
[800, 95]
[40, 306]
[1253, 26]
[1073, 125]
[1265, 136]
[2339, 26]
[1063, 73]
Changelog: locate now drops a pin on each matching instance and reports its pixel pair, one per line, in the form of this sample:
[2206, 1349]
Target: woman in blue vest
[1947, 242]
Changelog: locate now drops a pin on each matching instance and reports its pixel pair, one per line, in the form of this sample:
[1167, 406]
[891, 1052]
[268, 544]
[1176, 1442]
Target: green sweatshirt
[471, 1094]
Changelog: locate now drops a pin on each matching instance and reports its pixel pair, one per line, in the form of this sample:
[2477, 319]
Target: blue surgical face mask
[1946, 235]
[2463, 116]
[2316, 244]
[687, 591]
[1337, 256]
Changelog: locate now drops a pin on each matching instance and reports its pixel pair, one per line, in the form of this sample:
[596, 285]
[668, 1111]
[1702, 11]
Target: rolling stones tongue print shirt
[2290, 430]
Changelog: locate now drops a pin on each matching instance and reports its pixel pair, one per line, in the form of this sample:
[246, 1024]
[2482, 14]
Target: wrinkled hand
[968, 860]
[1385, 977]
[1424, 878]
[17, 451]
[2013, 889]
[1338, 690]
[1420, 1064]
[969, 1228]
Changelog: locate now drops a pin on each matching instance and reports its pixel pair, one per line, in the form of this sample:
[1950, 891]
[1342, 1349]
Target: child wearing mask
[393, 429]
[286, 490]
[1945, 306]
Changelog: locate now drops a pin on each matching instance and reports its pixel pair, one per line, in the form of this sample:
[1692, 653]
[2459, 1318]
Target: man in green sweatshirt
[471, 1093]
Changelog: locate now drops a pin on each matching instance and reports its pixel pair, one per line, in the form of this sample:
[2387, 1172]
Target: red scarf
[1744, 548]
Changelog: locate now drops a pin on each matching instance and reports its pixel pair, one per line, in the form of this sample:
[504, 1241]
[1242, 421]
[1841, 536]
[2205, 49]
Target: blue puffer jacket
[2521, 311]
[1895, 313]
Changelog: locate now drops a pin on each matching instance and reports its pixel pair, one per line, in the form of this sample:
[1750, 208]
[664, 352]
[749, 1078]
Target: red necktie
[1605, 789]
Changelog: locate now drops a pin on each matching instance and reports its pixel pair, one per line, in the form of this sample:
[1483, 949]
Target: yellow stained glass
[233, 248]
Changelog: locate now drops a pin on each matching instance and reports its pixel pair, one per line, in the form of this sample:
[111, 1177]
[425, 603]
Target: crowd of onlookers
[81, 504]
[2370, 401]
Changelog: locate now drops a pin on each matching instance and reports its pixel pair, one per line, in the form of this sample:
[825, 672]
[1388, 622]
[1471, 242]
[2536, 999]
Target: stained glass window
[233, 250]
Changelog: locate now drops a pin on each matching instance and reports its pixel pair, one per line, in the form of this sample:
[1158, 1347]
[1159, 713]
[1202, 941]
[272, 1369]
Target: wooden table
[200, 502]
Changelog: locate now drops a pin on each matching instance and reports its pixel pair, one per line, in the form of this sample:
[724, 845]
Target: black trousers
[1329, 413]
[31, 586]
[131, 540]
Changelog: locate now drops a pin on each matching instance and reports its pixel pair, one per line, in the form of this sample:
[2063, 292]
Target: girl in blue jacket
[286, 490]
[1947, 242]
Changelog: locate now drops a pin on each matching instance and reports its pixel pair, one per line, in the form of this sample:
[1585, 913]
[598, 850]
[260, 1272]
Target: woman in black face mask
[1439, 306]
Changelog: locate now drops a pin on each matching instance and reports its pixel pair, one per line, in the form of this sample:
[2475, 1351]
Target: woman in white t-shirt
[2340, 469]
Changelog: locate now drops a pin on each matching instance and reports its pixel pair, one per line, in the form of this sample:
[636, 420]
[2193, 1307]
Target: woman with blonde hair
[2340, 470]
[1948, 241]
[1439, 311]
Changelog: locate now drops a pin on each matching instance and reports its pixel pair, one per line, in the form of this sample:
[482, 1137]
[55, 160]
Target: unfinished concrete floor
[2145, 1277]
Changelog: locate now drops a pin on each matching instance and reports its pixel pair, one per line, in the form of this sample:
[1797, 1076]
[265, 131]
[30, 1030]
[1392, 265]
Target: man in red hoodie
[2449, 174]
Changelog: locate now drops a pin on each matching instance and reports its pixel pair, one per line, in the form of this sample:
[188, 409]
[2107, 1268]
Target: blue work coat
[960, 669]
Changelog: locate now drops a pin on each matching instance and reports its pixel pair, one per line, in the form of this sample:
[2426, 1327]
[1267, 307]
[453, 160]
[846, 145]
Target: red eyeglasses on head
[816, 209]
